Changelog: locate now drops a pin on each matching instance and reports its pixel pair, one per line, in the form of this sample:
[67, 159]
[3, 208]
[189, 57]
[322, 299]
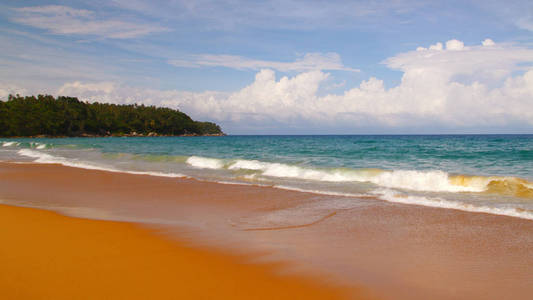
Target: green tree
[67, 116]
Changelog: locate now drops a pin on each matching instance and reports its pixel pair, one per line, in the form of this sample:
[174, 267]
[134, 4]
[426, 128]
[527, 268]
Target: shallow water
[398, 251]
[480, 173]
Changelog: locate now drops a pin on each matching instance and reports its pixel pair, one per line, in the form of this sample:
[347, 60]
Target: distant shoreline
[46, 116]
[110, 135]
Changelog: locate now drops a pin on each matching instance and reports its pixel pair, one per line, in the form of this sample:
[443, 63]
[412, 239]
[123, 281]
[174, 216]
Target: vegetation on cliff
[67, 116]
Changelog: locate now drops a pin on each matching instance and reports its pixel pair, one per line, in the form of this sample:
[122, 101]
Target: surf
[414, 180]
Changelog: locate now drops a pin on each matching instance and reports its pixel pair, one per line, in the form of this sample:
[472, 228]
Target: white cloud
[111, 92]
[429, 96]
[476, 63]
[101, 88]
[310, 61]
[67, 21]
[455, 45]
[10, 89]
[437, 46]
[488, 43]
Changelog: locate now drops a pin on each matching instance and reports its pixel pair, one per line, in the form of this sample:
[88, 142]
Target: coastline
[134, 134]
[395, 251]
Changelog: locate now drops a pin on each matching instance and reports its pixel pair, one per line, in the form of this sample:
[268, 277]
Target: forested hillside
[67, 116]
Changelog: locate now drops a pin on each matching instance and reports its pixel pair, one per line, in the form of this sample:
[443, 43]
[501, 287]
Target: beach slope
[45, 255]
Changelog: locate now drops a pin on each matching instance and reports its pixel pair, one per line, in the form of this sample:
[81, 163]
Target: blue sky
[262, 67]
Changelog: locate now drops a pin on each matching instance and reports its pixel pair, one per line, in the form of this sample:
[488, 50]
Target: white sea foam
[160, 174]
[205, 163]
[40, 146]
[436, 181]
[288, 171]
[414, 180]
[45, 158]
[396, 197]
[321, 192]
[248, 165]
[10, 144]
[239, 183]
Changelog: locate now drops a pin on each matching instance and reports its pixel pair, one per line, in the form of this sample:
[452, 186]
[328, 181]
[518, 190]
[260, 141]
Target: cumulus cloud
[437, 46]
[430, 95]
[65, 20]
[112, 92]
[310, 61]
[488, 42]
[455, 45]
[488, 63]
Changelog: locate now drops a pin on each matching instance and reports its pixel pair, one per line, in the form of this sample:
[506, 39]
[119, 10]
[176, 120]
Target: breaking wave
[35, 145]
[415, 180]
[205, 163]
[10, 144]
[390, 185]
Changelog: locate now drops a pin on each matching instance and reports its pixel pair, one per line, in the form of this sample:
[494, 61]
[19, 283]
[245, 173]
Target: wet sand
[393, 251]
[44, 255]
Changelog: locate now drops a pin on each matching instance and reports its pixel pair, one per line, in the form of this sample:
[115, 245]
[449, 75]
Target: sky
[284, 67]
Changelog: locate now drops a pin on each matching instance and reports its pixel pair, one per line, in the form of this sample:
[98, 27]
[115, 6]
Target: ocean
[479, 173]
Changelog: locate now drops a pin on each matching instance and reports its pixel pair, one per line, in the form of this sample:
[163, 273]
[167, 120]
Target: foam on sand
[397, 197]
[45, 158]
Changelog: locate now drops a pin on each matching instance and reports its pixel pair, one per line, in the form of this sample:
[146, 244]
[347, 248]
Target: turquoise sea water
[483, 173]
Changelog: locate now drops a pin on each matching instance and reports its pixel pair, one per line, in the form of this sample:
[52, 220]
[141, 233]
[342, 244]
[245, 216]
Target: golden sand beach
[48, 256]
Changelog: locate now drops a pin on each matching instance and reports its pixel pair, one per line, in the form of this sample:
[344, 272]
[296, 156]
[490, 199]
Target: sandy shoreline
[395, 251]
[48, 256]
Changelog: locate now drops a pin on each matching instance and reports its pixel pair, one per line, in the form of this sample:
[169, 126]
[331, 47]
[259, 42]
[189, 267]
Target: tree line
[68, 116]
